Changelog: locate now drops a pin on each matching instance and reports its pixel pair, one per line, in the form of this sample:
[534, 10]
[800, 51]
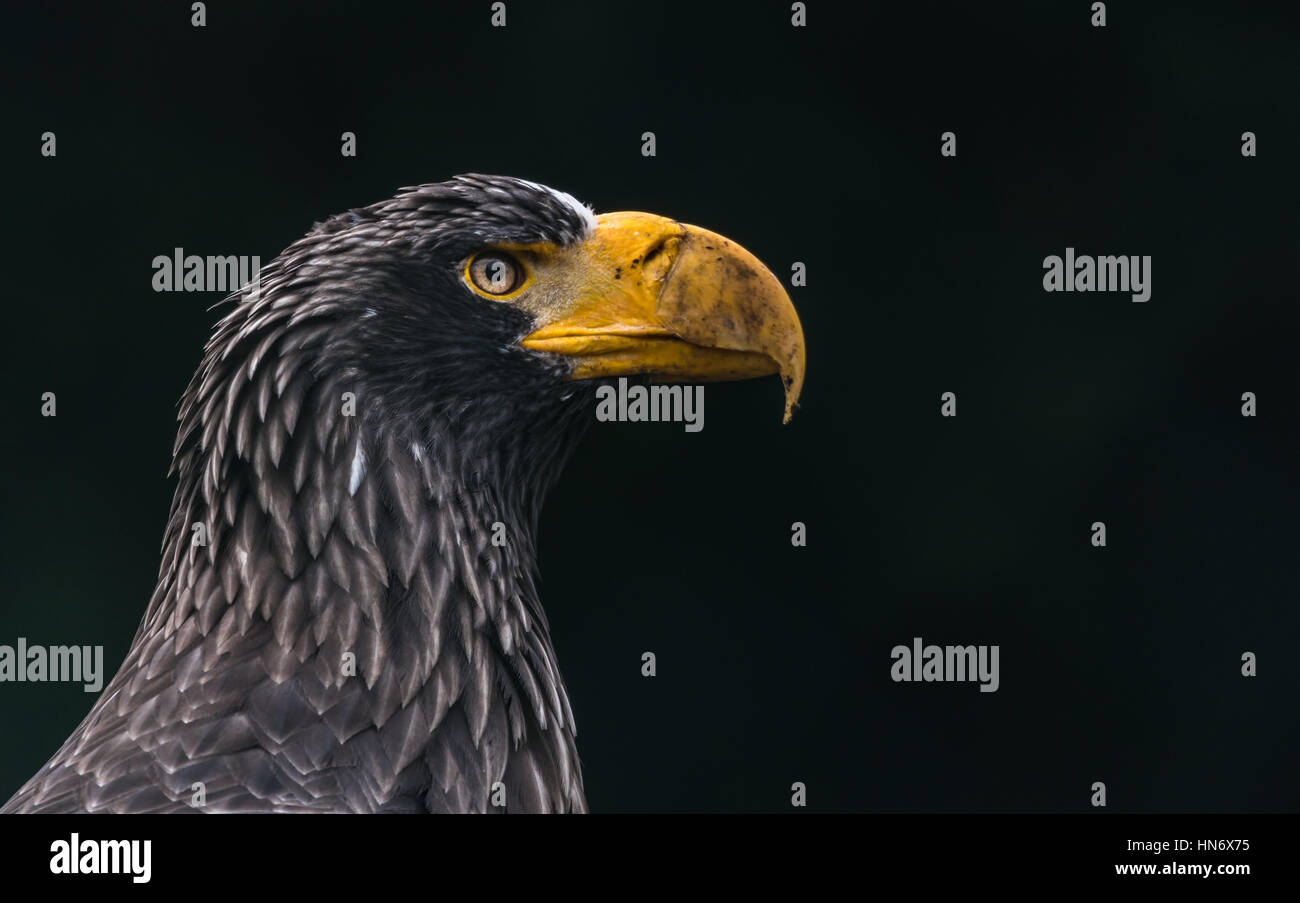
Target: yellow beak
[675, 302]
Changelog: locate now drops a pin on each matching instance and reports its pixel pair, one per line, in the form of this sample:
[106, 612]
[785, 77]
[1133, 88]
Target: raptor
[403, 384]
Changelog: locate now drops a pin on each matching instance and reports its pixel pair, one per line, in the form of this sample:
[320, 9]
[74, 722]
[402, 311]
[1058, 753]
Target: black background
[817, 144]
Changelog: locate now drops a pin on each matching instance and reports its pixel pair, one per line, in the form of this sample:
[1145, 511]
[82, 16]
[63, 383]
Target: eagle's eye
[495, 273]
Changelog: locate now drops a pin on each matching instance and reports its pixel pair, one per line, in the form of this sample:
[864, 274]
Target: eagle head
[346, 616]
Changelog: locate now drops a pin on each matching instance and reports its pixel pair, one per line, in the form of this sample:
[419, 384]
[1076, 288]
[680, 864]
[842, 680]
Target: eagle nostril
[659, 259]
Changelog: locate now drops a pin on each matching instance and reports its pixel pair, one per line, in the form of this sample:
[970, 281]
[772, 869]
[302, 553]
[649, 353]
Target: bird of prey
[346, 616]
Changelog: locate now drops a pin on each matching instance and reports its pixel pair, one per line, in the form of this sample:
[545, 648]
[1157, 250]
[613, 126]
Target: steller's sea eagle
[399, 386]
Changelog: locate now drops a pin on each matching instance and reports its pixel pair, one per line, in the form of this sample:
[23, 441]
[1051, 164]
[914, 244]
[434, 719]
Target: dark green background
[924, 276]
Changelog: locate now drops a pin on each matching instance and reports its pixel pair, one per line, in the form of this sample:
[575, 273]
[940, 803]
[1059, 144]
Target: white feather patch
[358, 469]
[585, 212]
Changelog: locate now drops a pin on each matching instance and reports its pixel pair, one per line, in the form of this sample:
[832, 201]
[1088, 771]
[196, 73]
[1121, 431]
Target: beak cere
[649, 295]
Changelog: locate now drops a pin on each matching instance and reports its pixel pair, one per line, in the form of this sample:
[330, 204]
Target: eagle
[346, 617]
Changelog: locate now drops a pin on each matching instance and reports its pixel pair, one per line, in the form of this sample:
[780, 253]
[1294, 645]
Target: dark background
[819, 145]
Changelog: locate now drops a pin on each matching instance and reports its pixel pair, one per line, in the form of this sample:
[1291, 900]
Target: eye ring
[495, 274]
